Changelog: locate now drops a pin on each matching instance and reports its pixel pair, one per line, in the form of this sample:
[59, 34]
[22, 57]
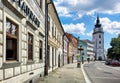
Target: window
[41, 1]
[99, 36]
[11, 40]
[30, 81]
[55, 32]
[52, 56]
[40, 50]
[48, 23]
[99, 42]
[30, 46]
[55, 56]
[52, 29]
[48, 56]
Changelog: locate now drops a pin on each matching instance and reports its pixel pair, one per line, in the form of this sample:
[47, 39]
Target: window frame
[12, 40]
[48, 23]
[41, 4]
[52, 29]
[40, 50]
[48, 59]
[99, 42]
[99, 36]
[30, 58]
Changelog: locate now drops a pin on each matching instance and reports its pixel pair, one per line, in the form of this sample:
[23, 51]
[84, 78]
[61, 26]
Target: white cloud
[110, 26]
[75, 28]
[90, 33]
[63, 12]
[82, 7]
[117, 7]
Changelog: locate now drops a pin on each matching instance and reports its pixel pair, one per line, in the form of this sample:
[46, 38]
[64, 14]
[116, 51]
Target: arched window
[99, 36]
[99, 42]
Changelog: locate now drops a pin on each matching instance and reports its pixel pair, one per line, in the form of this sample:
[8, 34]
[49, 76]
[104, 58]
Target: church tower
[98, 39]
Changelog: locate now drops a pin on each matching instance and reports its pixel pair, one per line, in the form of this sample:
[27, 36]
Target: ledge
[31, 25]
[10, 65]
[41, 61]
[30, 62]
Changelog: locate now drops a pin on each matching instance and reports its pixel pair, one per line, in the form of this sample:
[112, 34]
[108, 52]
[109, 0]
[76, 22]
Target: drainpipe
[46, 38]
[63, 46]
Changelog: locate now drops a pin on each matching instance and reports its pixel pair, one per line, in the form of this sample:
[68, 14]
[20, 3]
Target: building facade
[75, 48]
[22, 40]
[74, 42]
[98, 40]
[70, 52]
[90, 52]
[82, 53]
[65, 50]
[55, 39]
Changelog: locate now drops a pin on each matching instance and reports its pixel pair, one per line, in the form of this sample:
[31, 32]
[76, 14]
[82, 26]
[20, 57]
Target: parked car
[107, 62]
[115, 63]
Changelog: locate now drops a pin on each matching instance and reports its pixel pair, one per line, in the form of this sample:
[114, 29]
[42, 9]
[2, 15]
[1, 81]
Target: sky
[78, 17]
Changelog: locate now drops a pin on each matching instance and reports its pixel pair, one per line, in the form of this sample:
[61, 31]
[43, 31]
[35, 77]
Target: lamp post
[79, 61]
[83, 57]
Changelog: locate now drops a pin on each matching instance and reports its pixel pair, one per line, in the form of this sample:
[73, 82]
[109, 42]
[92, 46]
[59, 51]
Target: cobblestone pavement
[66, 74]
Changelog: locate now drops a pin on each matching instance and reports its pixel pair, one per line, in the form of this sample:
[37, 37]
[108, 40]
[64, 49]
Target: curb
[85, 75]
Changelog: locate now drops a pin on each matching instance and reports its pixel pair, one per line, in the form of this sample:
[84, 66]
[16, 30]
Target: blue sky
[78, 17]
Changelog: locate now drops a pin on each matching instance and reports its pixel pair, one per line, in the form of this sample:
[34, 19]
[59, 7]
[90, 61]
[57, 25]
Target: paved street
[66, 74]
[98, 72]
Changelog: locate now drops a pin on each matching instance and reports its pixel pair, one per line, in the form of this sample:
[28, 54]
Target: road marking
[99, 68]
[105, 77]
[85, 75]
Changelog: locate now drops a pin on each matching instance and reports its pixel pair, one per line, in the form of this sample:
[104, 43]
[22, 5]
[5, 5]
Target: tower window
[99, 42]
[99, 36]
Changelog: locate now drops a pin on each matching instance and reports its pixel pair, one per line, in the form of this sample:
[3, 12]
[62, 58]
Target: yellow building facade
[55, 38]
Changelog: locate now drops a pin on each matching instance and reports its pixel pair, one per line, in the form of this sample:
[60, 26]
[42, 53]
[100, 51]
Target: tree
[114, 51]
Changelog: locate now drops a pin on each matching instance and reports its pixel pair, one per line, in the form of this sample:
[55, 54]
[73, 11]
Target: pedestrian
[88, 59]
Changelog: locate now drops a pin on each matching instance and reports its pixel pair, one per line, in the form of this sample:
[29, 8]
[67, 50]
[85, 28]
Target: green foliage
[114, 51]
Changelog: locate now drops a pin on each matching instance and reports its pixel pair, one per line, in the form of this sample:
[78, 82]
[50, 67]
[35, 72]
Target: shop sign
[27, 11]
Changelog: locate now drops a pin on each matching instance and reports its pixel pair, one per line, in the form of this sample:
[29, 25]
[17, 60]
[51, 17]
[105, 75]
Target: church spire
[97, 22]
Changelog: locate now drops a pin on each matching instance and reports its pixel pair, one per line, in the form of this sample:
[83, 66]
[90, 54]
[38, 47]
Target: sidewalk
[66, 74]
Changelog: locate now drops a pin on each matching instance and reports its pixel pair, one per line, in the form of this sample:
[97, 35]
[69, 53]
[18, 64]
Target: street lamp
[78, 63]
[82, 57]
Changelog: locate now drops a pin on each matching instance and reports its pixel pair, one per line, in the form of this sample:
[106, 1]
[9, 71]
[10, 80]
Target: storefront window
[11, 40]
[30, 46]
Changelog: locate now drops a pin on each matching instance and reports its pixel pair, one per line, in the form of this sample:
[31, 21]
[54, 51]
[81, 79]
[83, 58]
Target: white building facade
[22, 40]
[90, 51]
[98, 40]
